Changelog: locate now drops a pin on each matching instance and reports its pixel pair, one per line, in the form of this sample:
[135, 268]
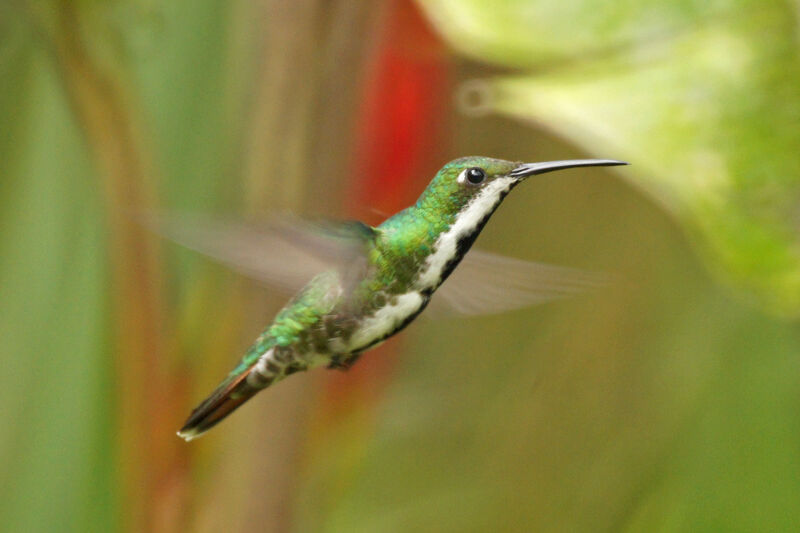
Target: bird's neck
[427, 241]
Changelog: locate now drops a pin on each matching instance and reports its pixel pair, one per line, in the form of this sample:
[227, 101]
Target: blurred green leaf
[707, 112]
[535, 32]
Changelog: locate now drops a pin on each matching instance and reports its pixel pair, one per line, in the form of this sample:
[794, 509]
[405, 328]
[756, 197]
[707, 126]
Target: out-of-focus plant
[651, 405]
[702, 97]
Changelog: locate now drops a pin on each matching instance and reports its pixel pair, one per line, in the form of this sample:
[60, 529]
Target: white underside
[311, 360]
[446, 245]
[385, 320]
[382, 323]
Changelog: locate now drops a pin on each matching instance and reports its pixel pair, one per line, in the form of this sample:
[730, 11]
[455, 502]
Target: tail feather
[255, 373]
[228, 396]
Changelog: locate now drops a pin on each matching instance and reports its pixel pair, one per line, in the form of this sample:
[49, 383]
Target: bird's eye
[473, 176]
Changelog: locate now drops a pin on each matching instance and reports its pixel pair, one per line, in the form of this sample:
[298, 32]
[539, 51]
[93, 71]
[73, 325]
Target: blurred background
[668, 401]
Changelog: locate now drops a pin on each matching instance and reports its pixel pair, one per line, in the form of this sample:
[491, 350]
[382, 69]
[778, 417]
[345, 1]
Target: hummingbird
[359, 285]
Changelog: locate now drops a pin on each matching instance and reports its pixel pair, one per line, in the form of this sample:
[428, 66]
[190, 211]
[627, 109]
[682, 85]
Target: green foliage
[700, 96]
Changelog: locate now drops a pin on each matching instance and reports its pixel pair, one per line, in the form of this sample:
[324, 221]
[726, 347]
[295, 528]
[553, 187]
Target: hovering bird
[359, 285]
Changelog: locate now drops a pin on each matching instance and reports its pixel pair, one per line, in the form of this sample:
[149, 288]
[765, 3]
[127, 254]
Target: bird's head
[473, 187]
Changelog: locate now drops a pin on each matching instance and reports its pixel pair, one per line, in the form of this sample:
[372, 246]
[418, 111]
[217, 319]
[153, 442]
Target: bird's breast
[387, 320]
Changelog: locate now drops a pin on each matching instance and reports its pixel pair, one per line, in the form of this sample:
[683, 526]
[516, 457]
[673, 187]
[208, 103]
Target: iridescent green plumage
[381, 279]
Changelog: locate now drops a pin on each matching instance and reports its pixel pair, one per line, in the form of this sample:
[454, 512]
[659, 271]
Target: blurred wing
[485, 283]
[283, 253]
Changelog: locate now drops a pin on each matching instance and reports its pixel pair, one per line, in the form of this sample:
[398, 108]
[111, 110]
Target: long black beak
[529, 169]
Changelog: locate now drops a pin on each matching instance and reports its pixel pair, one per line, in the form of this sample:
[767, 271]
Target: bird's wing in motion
[485, 283]
[287, 253]
[284, 253]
